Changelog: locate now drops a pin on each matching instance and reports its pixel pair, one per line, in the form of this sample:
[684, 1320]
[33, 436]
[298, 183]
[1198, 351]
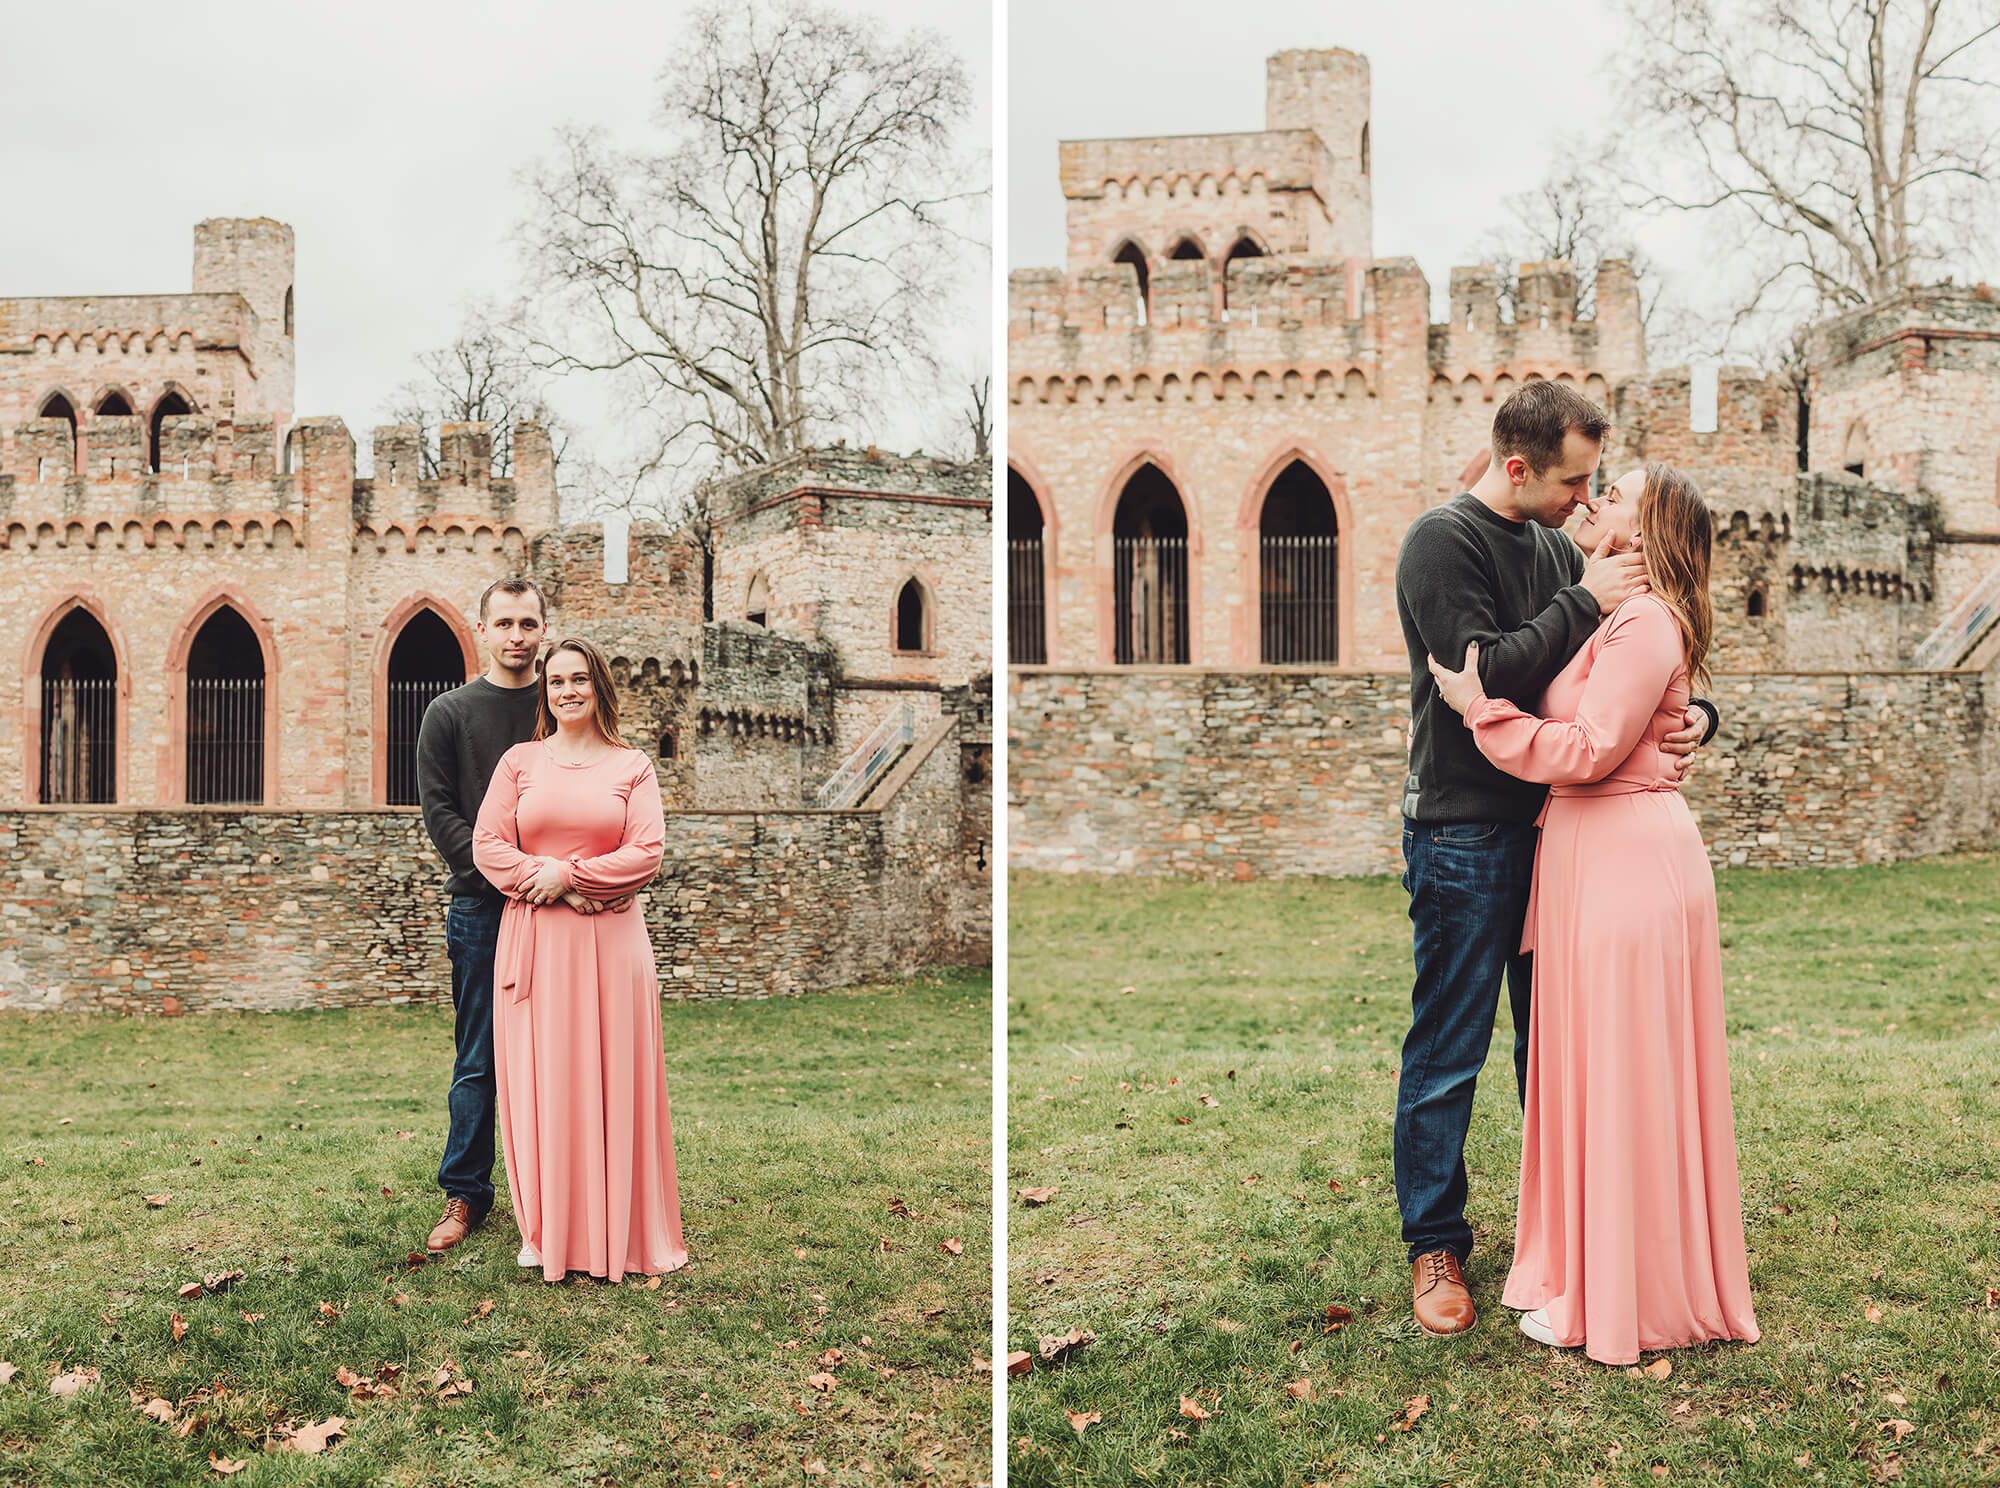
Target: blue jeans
[472, 936]
[1468, 885]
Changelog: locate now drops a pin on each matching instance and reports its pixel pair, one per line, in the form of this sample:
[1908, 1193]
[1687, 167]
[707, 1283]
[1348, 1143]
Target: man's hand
[1459, 688]
[548, 883]
[622, 903]
[1685, 740]
[580, 904]
[1612, 578]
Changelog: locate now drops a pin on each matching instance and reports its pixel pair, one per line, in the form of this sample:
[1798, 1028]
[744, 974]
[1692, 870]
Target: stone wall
[1253, 774]
[127, 910]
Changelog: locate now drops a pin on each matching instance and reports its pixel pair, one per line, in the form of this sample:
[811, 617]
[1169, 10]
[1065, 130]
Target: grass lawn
[1206, 1075]
[302, 1150]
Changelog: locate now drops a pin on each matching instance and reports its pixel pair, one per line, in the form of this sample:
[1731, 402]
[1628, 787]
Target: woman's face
[567, 678]
[1616, 517]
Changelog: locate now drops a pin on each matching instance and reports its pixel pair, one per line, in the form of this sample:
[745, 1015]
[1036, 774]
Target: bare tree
[483, 376]
[774, 272]
[1850, 144]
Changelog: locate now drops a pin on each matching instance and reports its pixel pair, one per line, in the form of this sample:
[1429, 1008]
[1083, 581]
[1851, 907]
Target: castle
[214, 611]
[1224, 411]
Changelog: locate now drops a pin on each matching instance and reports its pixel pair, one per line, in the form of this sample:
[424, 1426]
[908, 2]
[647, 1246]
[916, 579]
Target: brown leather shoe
[1442, 1303]
[458, 1222]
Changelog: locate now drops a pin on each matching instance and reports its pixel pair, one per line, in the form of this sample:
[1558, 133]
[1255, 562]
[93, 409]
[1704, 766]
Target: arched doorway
[1298, 540]
[1131, 253]
[1149, 572]
[1244, 247]
[57, 406]
[171, 405]
[79, 743]
[225, 713]
[114, 404]
[425, 662]
[913, 618]
[1027, 603]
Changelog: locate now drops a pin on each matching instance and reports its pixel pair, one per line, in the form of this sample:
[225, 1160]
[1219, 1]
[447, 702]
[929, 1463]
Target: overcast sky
[1471, 99]
[387, 133]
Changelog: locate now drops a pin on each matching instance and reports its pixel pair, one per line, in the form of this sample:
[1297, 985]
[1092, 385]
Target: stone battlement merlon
[864, 471]
[210, 466]
[1192, 165]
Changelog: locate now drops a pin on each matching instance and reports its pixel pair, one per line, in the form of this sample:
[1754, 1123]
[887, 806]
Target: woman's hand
[580, 904]
[549, 882]
[1459, 688]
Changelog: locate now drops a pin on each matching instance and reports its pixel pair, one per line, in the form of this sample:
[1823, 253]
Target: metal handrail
[1963, 629]
[870, 758]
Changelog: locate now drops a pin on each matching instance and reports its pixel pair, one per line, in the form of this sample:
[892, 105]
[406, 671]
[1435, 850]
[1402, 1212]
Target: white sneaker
[529, 1256]
[1536, 1325]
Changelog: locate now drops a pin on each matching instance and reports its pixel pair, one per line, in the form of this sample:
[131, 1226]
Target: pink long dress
[576, 1016]
[1630, 1228]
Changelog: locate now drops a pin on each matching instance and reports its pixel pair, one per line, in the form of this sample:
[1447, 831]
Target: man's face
[1552, 496]
[512, 630]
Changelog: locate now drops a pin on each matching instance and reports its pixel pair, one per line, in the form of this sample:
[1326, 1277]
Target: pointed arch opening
[1027, 556]
[425, 662]
[172, 404]
[757, 605]
[78, 747]
[1149, 595]
[1131, 253]
[1298, 539]
[224, 721]
[1244, 247]
[1754, 607]
[114, 404]
[913, 618]
[1185, 249]
[58, 406]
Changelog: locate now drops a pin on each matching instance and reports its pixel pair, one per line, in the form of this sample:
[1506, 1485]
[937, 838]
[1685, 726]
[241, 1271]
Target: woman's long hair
[1677, 540]
[603, 692]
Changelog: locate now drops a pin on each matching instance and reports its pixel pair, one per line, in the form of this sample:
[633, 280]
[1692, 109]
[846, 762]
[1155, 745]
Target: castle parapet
[464, 489]
[1546, 335]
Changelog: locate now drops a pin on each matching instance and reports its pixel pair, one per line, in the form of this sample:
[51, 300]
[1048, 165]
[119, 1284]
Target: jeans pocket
[1465, 832]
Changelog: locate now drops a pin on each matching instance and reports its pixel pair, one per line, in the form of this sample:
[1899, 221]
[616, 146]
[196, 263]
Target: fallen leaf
[157, 1201]
[485, 1308]
[1900, 1427]
[401, 1299]
[1194, 1412]
[652, 1284]
[1209, 1100]
[180, 1327]
[1019, 1362]
[902, 1211]
[833, 1358]
[192, 1289]
[1056, 1347]
[74, 1382]
[253, 1317]
[1660, 1368]
[1301, 1389]
[346, 1378]
[981, 1366]
[1895, 1397]
[385, 1192]
[317, 1436]
[952, 1247]
[815, 1467]
[1660, 1469]
[7, 1372]
[1414, 1407]
[1079, 1421]
[227, 1465]
[1337, 1317]
[160, 1410]
[222, 1281]
[1872, 1313]
[1035, 1197]
[822, 1382]
[1802, 1459]
[1334, 1184]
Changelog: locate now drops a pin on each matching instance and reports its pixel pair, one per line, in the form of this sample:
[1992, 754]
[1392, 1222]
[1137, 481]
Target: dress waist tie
[518, 961]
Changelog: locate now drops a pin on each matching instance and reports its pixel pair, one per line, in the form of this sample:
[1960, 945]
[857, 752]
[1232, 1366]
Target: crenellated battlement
[208, 467]
[1308, 315]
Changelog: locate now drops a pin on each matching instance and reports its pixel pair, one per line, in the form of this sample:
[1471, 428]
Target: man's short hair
[513, 586]
[1536, 418]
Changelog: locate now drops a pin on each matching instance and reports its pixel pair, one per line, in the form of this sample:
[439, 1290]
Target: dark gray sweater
[464, 733]
[1466, 573]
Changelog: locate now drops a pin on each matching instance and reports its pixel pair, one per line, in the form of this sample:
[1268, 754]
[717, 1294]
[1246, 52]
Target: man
[464, 733]
[1488, 566]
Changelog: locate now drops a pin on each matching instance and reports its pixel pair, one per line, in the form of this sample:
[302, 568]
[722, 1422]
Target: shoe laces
[1442, 1265]
[457, 1208]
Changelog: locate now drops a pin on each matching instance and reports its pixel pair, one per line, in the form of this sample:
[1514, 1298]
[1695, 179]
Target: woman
[572, 821]
[1630, 1230]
